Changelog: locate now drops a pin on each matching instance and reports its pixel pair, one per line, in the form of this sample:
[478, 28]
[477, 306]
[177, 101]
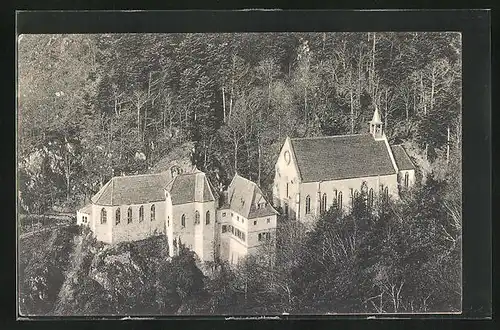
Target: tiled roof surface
[134, 189]
[188, 188]
[86, 209]
[243, 194]
[402, 159]
[341, 157]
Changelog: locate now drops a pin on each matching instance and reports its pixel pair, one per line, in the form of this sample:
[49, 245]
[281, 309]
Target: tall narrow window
[117, 216]
[287, 190]
[323, 203]
[407, 179]
[141, 213]
[196, 218]
[370, 198]
[308, 204]
[207, 218]
[286, 209]
[386, 194]
[103, 215]
[183, 221]
[153, 212]
[339, 200]
[129, 215]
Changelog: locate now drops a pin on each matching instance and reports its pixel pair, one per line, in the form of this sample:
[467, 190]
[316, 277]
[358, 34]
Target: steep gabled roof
[189, 188]
[243, 195]
[132, 189]
[341, 157]
[401, 157]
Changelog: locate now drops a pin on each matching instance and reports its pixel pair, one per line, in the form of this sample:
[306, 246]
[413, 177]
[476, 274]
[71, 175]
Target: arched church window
[407, 179]
[103, 215]
[141, 213]
[153, 212]
[129, 215]
[339, 200]
[183, 220]
[323, 203]
[196, 218]
[386, 194]
[117, 216]
[308, 204]
[207, 218]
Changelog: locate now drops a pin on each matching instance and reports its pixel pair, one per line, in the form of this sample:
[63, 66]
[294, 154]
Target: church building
[312, 174]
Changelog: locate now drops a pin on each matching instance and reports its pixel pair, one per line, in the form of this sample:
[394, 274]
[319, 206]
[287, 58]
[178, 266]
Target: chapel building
[312, 174]
[185, 207]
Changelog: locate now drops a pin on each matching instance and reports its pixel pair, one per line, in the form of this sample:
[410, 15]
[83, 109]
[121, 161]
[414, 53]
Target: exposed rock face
[177, 160]
[114, 266]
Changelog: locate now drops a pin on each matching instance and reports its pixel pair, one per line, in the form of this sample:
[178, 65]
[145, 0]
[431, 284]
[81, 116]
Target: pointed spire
[376, 129]
[376, 117]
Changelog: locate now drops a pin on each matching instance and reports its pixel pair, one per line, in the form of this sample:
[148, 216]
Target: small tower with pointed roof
[376, 129]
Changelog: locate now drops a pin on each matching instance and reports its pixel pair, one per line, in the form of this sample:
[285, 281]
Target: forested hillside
[93, 106]
[404, 258]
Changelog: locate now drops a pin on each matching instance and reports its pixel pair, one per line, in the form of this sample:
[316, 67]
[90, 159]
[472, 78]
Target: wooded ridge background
[93, 106]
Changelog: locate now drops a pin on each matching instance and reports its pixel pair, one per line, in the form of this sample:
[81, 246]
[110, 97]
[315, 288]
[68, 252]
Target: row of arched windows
[129, 215]
[196, 218]
[337, 198]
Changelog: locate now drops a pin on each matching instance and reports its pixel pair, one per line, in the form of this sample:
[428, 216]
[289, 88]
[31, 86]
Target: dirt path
[66, 292]
[41, 230]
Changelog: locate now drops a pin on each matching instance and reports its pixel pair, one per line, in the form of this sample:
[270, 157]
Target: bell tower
[376, 129]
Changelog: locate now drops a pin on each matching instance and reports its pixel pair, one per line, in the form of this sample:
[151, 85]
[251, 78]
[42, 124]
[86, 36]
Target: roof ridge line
[246, 179]
[191, 173]
[136, 175]
[327, 137]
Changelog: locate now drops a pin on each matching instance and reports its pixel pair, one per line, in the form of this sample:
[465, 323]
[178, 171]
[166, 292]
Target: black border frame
[475, 28]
